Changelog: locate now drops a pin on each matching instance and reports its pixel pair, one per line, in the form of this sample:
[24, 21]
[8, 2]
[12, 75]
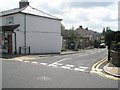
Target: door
[9, 43]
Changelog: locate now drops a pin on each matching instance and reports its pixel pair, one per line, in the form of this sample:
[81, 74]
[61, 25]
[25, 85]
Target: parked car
[102, 45]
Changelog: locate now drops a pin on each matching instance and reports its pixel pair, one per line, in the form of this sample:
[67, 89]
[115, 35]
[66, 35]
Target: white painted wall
[18, 19]
[43, 35]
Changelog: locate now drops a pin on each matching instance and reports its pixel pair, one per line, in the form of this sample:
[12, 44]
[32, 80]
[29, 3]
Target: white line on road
[68, 65]
[63, 60]
[92, 72]
[65, 67]
[57, 63]
[35, 62]
[43, 63]
[78, 69]
[83, 67]
[100, 69]
[52, 65]
[25, 61]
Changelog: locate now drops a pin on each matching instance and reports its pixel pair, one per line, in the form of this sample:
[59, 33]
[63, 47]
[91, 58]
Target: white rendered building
[29, 30]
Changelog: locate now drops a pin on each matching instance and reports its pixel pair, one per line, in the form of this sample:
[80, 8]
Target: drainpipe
[25, 33]
[15, 52]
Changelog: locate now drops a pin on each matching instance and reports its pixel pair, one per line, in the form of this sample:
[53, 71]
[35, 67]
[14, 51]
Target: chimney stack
[80, 27]
[86, 28]
[23, 3]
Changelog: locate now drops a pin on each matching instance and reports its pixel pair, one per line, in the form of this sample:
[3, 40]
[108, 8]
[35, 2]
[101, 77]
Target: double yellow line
[95, 69]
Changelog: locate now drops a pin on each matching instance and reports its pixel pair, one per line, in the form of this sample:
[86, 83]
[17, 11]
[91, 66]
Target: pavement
[27, 56]
[112, 69]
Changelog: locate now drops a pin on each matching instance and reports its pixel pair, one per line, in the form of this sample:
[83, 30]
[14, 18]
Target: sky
[94, 14]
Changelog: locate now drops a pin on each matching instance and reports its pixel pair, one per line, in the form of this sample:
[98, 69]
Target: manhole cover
[45, 78]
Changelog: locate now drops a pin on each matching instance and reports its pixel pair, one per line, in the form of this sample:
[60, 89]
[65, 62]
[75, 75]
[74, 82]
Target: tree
[109, 37]
[74, 38]
[103, 31]
[96, 43]
[108, 29]
[62, 27]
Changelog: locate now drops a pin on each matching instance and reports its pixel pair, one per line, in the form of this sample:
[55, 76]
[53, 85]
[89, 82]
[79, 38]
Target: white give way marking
[63, 60]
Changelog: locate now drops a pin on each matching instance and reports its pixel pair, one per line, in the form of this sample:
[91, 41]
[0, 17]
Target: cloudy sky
[94, 14]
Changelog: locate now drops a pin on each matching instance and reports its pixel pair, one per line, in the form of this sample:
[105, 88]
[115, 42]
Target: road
[60, 71]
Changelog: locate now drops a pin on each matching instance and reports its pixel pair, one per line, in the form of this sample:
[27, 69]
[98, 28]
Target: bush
[115, 46]
[63, 50]
[117, 36]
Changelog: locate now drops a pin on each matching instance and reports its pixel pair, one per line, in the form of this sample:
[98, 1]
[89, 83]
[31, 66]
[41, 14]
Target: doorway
[7, 42]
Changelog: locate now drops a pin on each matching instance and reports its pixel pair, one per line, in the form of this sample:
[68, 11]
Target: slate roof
[84, 32]
[65, 33]
[31, 11]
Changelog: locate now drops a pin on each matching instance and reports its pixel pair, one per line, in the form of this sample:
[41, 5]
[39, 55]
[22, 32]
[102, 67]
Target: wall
[43, 35]
[115, 58]
[18, 19]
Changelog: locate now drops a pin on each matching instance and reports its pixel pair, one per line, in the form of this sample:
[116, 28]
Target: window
[9, 20]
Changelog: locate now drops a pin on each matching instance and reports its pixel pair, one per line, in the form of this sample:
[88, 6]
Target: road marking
[63, 60]
[100, 70]
[78, 69]
[25, 61]
[65, 67]
[68, 65]
[95, 68]
[98, 63]
[43, 63]
[20, 60]
[35, 62]
[57, 64]
[52, 65]
[92, 71]
[83, 67]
